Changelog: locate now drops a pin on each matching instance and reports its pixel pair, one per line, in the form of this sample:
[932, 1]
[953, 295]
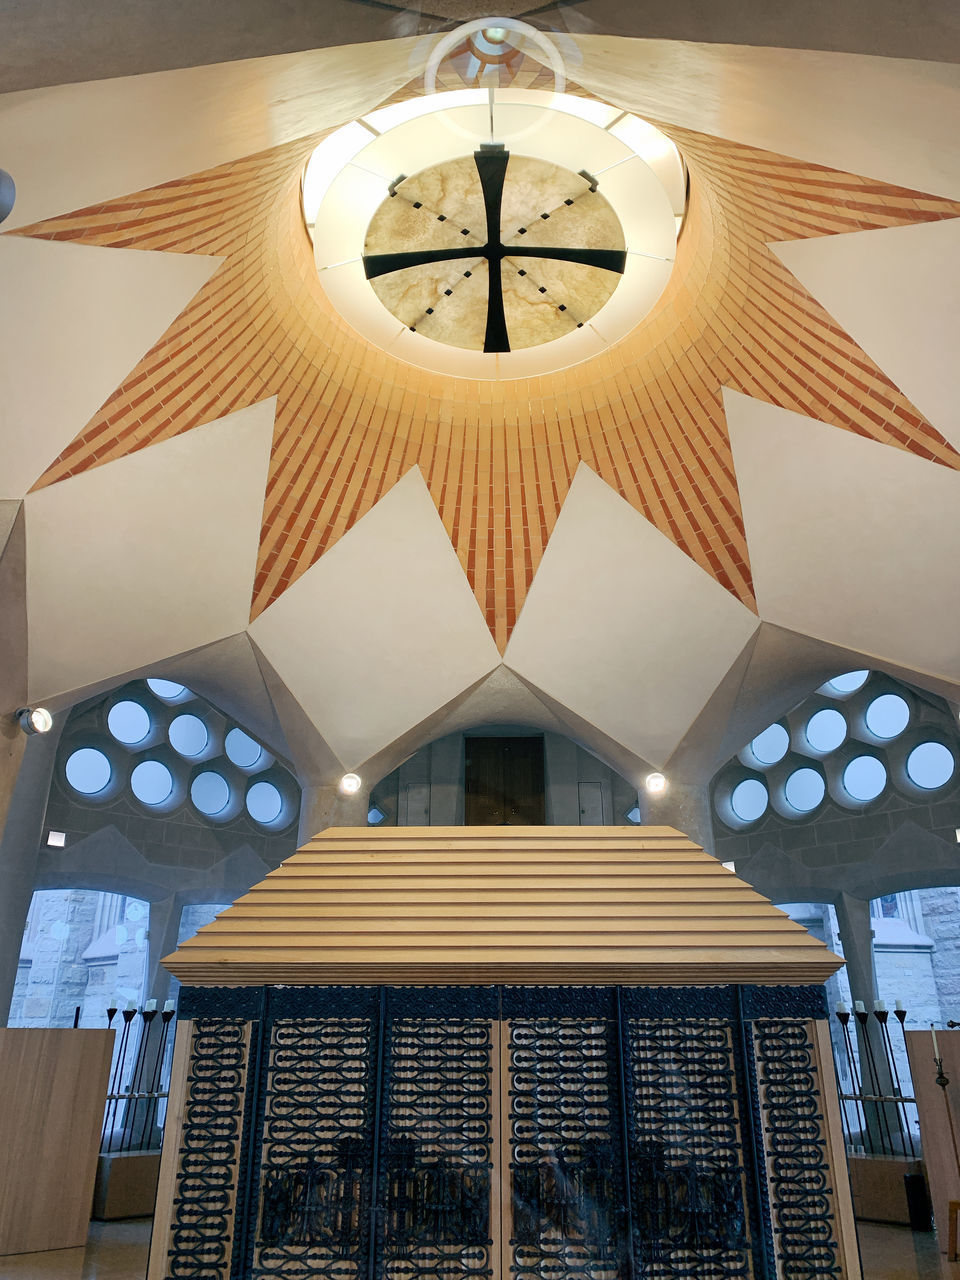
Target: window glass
[771, 745]
[88, 771]
[887, 715]
[849, 682]
[264, 802]
[749, 799]
[188, 735]
[129, 722]
[151, 782]
[826, 729]
[169, 690]
[210, 793]
[864, 778]
[242, 749]
[930, 765]
[804, 790]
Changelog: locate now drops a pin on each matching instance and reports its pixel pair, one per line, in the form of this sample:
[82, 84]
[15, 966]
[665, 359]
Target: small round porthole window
[88, 771]
[210, 793]
[770, 746]
[151, 782]
[749, 800]
[930, 765]
[804, 790]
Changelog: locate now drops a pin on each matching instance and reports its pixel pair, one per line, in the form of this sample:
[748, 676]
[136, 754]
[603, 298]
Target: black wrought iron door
[535, 1133]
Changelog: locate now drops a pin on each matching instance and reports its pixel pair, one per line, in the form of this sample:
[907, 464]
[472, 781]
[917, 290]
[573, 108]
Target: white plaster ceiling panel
[891, 118]
[382, 630]
[75, 320]
[850, 541]
[622, 627]
[74, 145]
[147, 556]
[897, 292]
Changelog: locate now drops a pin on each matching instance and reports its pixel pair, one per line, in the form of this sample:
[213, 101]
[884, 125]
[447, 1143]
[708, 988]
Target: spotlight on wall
[655, 783]
[35, 720]
[350, 784]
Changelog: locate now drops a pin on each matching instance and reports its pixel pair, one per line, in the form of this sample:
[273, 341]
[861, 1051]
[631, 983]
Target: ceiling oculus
[494, 252]
[494, 234]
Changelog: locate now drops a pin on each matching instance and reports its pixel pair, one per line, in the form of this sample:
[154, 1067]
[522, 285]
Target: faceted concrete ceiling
[766, 466]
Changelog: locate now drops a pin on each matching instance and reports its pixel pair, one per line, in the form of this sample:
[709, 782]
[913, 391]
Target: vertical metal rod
[844, 1020]
[625, 1135]
[883, 1122]
[752, 1141]
[903, 1126]
[130, 1117]
[375, 1209]
[116, 1077]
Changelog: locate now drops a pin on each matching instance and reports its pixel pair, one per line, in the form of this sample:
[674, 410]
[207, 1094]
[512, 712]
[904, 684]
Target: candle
[858, 1006]
[936, 1047]
[841, 1007]
[150, 1006]
[169, 1007]
[131, 1006]
[879, 1006]
[899, 1007]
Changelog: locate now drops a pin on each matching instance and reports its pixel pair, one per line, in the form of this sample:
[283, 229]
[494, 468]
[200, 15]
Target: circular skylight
[264, 802]
[168, 690]
[502, 259]
[849, 682]
[88, 771]
[242, 750]
[151, 782]
[749, 799]
[129, 722]
[188, 735]
[210, 793]
[864, 778]
[930, 765]
[804, 790]
[826, 729]
[887, 715]
[771, 745]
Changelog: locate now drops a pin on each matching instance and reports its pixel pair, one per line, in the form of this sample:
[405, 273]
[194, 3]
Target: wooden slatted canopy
[476, 905]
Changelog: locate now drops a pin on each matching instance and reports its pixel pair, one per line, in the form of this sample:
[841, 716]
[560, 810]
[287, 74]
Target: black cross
[491, 161]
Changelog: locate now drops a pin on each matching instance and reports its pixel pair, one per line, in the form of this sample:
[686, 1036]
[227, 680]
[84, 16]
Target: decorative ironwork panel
[688, 1192]
[204, 1203]
[435, 1157]
[566, 1167]
[798, 1169]
[317, 1143]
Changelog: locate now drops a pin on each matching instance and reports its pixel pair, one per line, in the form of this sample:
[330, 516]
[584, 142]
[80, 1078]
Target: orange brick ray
[499, 458]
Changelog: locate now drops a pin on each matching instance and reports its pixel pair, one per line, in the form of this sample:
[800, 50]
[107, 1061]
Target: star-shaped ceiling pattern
[498, 458]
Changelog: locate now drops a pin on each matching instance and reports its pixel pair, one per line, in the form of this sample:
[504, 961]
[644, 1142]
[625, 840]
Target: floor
[118, 1251]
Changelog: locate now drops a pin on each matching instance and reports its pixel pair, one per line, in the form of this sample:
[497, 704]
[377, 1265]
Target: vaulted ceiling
[207, 472]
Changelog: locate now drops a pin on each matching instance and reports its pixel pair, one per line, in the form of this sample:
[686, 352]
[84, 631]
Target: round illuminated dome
[495, 237]
[494, 252]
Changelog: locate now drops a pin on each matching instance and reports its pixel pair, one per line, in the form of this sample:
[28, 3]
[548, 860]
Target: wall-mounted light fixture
[350, 784]
[655, 783]
[35, 720]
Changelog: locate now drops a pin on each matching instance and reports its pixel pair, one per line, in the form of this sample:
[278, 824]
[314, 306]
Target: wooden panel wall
[51, 1112]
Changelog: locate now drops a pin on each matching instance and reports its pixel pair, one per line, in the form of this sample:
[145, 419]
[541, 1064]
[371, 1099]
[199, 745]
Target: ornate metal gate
[542, 1133]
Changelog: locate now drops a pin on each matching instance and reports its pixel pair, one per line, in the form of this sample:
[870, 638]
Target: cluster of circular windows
[168, 747]
[857, 734]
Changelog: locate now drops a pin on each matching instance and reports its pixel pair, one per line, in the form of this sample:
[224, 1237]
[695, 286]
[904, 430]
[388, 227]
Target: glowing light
[350, 784]
[655, 783]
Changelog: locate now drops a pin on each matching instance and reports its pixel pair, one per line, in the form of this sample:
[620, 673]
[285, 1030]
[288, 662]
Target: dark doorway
[503, 782]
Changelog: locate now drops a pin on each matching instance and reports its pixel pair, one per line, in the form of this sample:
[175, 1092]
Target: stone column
[26, 767]
[683, 806]
[856, 937]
